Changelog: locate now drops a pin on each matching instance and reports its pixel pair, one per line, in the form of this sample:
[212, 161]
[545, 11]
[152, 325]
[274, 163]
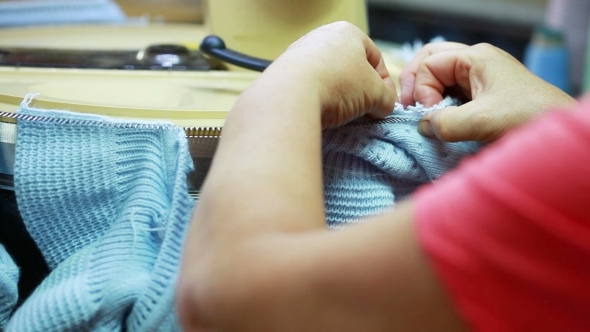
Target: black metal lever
[214, 47]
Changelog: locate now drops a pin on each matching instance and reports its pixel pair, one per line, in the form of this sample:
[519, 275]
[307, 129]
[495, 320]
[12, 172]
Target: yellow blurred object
[171, 11]
[265, 28]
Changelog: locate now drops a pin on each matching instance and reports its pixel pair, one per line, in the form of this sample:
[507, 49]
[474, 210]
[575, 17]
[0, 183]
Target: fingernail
[425, 128]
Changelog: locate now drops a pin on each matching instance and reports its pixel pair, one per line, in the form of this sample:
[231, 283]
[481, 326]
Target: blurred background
[180, 11]
[549, 36]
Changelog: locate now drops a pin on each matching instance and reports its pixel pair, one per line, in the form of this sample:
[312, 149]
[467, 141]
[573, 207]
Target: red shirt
[508, 232]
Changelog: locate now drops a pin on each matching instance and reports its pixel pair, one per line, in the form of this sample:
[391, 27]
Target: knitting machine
[148, 72]
[159, 76]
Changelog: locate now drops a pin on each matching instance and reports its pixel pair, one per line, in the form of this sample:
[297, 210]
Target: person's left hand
[503, 94]
[346, 68]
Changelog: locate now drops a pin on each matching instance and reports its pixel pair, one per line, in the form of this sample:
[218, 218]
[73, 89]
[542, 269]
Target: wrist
[297, 71]
[282, 94]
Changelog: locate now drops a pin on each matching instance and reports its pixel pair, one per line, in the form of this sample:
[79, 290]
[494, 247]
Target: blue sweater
[106, 202]
[370, 165]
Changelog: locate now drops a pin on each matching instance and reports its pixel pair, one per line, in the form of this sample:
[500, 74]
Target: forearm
[258, 256]
[266, 175]
[265, 178]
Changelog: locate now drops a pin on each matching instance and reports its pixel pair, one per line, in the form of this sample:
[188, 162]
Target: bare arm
[372, 277]
[258, 256]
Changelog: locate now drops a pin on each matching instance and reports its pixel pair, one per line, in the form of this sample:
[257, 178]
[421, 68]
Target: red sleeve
[508, 233]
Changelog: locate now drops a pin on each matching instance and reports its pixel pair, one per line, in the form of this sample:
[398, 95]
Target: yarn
[107, 204]
[370, 165]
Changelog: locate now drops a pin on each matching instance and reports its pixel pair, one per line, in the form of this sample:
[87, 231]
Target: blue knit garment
[370, 165]
[107, 204]
[8, 286]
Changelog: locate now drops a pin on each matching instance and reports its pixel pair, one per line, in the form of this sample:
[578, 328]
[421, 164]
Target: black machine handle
[214, 47]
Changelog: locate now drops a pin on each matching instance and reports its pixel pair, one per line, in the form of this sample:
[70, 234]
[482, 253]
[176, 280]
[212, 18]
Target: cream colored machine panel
[187, 98]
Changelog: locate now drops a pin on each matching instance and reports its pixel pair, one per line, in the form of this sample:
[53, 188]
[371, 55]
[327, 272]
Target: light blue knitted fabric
[107, 204]
[108, 207]
[8, 285]
[369, 165]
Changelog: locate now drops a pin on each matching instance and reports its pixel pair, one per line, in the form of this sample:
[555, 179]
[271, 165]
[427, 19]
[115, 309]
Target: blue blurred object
[44, 12]
[547, 56]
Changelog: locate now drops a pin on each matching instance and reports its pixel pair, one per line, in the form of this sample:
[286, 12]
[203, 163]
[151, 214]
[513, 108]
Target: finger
[379, 95]
[441, 71]
[454, 124]
[376, 61]
[385, 96]
[408, 75]
[447, 124]
[375, 58]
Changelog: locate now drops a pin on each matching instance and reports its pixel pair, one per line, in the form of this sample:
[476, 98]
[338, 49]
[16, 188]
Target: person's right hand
[503, 93]
[344, 67]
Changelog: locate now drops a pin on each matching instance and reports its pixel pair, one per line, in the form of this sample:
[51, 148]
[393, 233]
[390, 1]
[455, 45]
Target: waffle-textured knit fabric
[8, 285]
[106, 202]
[369, 165]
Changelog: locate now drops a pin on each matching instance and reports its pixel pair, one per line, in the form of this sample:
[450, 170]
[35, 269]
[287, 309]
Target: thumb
[386, 97]
[453, 124]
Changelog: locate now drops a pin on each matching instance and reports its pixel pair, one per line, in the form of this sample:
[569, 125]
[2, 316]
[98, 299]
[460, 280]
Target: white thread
[29, 98]
[133, 228]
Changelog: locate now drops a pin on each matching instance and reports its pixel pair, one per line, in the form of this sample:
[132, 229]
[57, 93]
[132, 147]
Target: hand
[351, 77]
[503, 94]
[266, 181]
[258, 256]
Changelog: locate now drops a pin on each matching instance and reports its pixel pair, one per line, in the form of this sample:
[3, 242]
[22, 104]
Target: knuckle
[442, 128]
[429, 47]
[443, 132]
[485, 47]
[421, 93]
[341, 26]
[406, 74]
